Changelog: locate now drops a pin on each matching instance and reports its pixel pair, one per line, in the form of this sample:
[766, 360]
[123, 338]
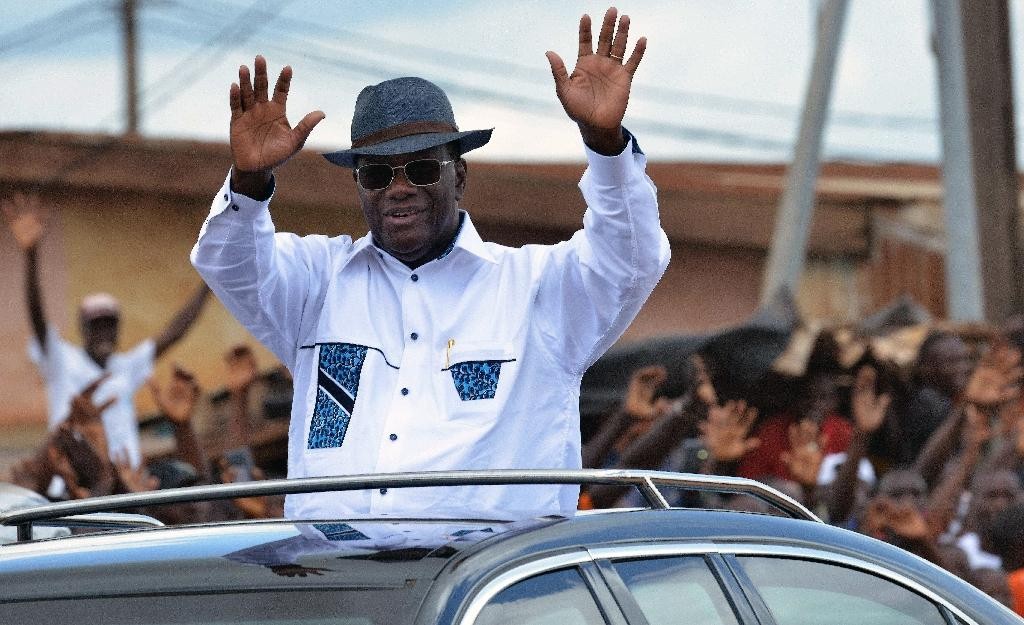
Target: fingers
[638, 54]
[618, 48]
[884, 401]
[604, 40]
[284, 81]
[306, 125]
[749, 417]
[558, 71]
[586, 38]
[91, 388]
[105, 405]
[245, 88]
[865, 380]
[260, 81]
[235, 101]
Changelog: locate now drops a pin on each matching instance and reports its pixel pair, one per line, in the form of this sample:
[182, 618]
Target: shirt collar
[466, 238]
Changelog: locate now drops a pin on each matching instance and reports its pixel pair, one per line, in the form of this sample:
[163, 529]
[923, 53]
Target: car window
[801, 592]
[556, 598]
[676, 590]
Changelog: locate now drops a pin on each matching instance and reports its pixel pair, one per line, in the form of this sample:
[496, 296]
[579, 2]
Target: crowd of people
[77, 453]
[928, 456]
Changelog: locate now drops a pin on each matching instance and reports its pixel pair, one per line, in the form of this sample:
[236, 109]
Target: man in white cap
[419, 346]
[68, 368]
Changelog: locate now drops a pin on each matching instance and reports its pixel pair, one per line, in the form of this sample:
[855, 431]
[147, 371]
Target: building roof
[715, 204]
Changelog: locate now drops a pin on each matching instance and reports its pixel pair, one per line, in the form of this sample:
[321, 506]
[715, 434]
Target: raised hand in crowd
[134, 479]
[26, 219]
[804, 456]
[242, 372]
[945, 496]
[887, 519]
[596, 93]
[726, 432]
[993, 385]
[177, 402]
[869, 409]
[997, 377]
[80, 446]
[261, 137]
[241, 369]
[621, 428]
[868, 406]
[897, 515]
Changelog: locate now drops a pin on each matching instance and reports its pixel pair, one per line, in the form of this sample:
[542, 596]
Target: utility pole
[796, 208]
[131, 83]
[979, 171]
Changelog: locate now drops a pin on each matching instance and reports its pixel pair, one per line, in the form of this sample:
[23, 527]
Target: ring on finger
[617, 58]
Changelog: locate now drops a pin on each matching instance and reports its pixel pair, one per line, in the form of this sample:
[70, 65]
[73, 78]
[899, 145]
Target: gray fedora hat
[404, 115]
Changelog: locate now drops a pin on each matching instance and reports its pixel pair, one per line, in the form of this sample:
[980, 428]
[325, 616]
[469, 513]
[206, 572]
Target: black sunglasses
[421, 172]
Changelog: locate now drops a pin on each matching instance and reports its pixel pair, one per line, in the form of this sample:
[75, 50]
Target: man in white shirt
[420, 346]
[68, 368]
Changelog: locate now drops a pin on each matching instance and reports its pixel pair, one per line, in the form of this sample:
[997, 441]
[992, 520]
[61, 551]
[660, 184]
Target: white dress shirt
[67, 369]
[470, 361]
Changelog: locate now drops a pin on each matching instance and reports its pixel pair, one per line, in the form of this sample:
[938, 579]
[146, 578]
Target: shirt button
[383, 491]
[394, 437]
[415, 277]
[225, 197]
[234, 207]
[414, 336]
[405, 391]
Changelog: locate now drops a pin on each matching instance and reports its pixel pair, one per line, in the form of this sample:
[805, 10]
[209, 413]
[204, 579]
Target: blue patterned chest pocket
[476, 379]
[338, 373]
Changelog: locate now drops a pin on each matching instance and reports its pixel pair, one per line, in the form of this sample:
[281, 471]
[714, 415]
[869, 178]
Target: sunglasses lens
[423, 172]
[374, 177]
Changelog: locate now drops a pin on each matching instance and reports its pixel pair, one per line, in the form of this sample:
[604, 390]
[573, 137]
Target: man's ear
[461, 169]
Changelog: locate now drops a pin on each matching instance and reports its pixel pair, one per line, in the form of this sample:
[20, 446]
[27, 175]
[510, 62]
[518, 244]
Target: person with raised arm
[68, 368]
[419, 346]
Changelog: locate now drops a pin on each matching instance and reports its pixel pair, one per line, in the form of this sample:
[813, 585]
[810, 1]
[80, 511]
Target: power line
[377, 69]
[55, 29]
[542, 106]
[507, 69]
[222, 40]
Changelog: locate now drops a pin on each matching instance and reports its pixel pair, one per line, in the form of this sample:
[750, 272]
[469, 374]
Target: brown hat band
[402, 130]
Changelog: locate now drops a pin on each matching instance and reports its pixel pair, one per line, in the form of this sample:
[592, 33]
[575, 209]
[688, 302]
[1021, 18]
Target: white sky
[709, 70]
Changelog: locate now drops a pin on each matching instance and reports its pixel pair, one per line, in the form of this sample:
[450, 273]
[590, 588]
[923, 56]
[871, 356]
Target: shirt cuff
[231, 204]
[615, 169]
[236, 201]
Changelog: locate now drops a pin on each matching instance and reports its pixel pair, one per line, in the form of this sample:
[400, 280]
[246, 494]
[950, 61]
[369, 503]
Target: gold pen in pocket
[448, 354]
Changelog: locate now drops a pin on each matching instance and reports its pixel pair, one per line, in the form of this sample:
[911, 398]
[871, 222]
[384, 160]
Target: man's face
[99, 337]
[904, 487]
[951, 364]
[994, 492]
[414, 223]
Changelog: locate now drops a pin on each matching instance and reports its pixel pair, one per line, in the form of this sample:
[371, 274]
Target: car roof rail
[647, 482]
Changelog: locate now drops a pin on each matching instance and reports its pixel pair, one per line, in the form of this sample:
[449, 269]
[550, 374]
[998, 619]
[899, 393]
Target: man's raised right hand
[261, 137]
[26, 219]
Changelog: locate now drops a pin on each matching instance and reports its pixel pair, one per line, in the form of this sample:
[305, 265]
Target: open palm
[25, 218]
[261, 137]
[597, 91]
